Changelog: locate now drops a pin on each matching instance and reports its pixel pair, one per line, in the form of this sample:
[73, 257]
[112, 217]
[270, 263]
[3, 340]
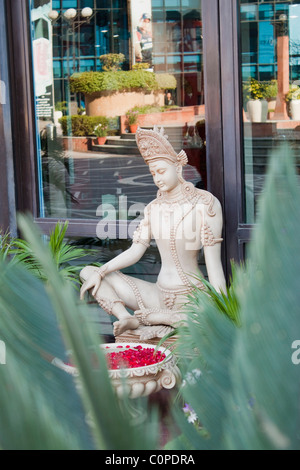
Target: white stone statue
[182, 220]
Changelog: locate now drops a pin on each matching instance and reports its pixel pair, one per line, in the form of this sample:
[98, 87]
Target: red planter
[100, 140]
[133, 128]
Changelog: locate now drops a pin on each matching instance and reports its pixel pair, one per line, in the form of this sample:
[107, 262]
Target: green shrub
[81, 125]
[271, 90]
[294, 93]
[165, 81]
[112, 62]
[122, 81]
[258, 90]
[141, 66]
[152, 108]
[61, 106]
[132, 116]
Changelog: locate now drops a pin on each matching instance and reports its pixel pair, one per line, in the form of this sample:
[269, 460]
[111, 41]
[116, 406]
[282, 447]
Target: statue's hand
[93, 282]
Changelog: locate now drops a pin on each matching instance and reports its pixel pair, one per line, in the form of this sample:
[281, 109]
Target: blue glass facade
[258, 38]
[177, 41]
[106, 32]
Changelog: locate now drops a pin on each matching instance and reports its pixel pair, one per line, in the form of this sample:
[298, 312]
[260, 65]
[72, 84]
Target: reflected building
[176, 41]
[259, 38]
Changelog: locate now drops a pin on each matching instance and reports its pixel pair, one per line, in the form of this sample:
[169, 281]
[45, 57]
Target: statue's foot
[128, 323]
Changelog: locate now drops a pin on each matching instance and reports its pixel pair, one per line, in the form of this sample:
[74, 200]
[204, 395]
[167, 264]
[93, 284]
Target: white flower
[190, 414]
[192, 417]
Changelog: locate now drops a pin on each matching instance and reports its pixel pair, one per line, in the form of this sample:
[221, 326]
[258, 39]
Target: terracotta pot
[100, 140]
[133, 128]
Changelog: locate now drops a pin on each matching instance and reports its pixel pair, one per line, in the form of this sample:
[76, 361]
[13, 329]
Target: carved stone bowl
[142, 381]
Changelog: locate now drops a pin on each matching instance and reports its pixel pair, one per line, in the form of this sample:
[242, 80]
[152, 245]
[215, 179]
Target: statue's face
[164, 175]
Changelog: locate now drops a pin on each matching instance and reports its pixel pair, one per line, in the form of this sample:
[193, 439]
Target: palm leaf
[40, 407]
[247, 396]
[5, 245]
[65, 255]
[27, 308]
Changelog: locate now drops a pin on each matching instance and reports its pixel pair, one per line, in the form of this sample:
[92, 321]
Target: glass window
[270, 71]
[157, 3]
[103, 4]
[249, 12]
[85, 40]
[172, 4]
[266, 51]
[57, 68]
[266, 11]
[160, 40]
[86, 3]
[69, 4]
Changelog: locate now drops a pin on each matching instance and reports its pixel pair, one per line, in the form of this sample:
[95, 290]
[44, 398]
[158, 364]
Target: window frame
[223, 121]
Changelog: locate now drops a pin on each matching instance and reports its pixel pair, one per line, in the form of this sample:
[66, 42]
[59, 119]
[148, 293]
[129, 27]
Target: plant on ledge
[112, 62]
[101, 130]
[271, 90]
[89, 83]
[83, 125]
[132, 116]
[294, 93]
[253, 90]
[141, 66]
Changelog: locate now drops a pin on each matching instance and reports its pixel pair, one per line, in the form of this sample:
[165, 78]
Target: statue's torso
[176, 229]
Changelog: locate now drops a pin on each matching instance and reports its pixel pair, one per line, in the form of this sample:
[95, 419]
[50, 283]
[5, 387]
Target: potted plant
[254, 96]
[132, 118]
[100, 132]
[270, 94]
[293, 98]
[113, 93]
[112, 62]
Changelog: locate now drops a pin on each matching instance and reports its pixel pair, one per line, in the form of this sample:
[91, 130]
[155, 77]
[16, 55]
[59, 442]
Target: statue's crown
[154, 144]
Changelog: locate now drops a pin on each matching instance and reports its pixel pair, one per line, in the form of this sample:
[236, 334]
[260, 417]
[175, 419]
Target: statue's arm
[141, 240]
[211, 240]
[129, 257]
[125, 259]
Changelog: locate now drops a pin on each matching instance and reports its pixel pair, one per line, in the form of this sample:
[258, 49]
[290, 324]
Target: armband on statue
[137, 236]
[207, 237]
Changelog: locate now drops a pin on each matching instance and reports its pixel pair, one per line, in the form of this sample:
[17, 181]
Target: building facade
[210, 60]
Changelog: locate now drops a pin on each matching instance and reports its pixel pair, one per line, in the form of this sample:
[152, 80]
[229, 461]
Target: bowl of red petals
[140, 369]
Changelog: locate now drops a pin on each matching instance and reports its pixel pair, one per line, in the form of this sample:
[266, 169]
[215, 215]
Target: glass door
[99, 65]
[270, 73]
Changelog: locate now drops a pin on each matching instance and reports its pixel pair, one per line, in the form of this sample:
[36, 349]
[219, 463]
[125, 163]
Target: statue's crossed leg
[152, 317]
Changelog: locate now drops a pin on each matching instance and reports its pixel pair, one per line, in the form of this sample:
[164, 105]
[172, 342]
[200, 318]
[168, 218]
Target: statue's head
[164, 163]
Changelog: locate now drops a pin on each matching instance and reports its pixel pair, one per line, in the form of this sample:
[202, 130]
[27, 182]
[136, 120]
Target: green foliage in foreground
[239, 376]
[41, 406]
[63, 255]
[242, 383]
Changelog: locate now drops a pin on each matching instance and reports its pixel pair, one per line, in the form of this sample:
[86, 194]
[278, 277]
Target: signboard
[42, 61]
[141, 21]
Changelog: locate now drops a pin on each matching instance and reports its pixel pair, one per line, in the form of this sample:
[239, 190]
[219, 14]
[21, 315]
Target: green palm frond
[5, 245]
[65, 255]
[41, 406]
[246, 389]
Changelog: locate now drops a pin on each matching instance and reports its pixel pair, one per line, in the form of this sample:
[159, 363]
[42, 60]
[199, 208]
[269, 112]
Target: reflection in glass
[78, 174]
[270, 59]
